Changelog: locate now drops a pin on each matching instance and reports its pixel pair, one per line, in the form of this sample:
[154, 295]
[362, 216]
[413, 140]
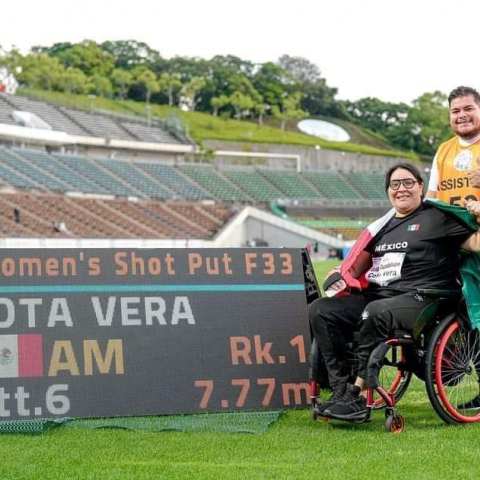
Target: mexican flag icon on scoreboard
[21, 356]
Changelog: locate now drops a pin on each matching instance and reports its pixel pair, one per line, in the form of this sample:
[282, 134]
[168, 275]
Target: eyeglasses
[408, 183]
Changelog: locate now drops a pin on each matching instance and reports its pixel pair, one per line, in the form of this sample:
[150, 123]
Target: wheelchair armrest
[438, 293]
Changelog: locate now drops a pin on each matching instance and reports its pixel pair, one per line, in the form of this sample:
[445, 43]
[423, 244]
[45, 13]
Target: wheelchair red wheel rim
[391, 389]
[439, 380]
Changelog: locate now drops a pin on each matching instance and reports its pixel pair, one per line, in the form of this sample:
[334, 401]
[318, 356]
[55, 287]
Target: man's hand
[472, 206]
[474, 175]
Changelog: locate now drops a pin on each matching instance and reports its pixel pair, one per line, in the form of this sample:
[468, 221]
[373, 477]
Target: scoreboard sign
[90, 333]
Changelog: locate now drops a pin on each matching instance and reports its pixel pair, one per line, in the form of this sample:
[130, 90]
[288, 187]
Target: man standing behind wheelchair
[416, 249]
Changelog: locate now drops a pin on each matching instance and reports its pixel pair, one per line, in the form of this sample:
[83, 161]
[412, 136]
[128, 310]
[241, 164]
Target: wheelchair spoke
[455, 378]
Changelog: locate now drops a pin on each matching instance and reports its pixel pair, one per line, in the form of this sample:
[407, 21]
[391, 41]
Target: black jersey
[417, 251]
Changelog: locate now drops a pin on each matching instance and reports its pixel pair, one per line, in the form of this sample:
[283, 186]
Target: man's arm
[433, 183]
[472, 244]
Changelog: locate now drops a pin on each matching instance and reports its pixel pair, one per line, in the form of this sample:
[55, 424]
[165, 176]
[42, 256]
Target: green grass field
[293, 448]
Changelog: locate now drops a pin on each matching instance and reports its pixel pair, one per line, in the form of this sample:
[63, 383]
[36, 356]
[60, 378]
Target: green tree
[190, 91]
[221, 75]
[289, 110]
[262, 108]
[170, 82]
[54, 50]
[318, 98]
[129, 54]
[242, 104]
[376, 115]
[300, 69]
[148, 80]
[272, 82]
[122, 81]
[88, 57]
[218, 103]
[233, 64]
[100, 85]
[73, 80]
[12, 60]
[40, 71]
[428, 122]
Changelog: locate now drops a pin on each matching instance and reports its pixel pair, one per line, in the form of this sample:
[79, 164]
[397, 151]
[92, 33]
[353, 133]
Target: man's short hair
[464, 92]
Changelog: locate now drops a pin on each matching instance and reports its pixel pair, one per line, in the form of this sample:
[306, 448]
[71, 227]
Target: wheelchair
[442, 350]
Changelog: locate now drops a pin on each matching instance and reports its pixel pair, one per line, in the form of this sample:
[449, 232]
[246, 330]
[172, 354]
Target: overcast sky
[391, 49]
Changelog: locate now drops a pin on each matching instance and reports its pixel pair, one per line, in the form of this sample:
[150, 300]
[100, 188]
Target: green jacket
[470, 267]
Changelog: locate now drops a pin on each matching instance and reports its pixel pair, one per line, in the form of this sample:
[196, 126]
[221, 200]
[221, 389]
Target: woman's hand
[335, 287]
[338, 286]
[332, 271]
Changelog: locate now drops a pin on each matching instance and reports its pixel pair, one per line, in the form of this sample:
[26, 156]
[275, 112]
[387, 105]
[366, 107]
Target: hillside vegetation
[202, 126]
[276, 93]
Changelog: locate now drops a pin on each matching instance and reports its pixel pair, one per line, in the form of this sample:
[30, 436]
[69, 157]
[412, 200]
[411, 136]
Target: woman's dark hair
[405, 166]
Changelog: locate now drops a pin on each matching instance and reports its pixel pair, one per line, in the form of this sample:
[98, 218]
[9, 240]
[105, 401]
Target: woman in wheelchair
[416, 249]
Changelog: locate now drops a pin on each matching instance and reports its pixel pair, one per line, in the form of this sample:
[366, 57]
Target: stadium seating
[291, 184]
[200, 216]
[78, 122]
[145, 133]
[167, 175]
[28, 170]
[52, 215]
[371, 185]
[9, 176]
[332, 185]
[49, 113]
[151, 200]
[96, 175]
[56, 169]
[128, 173]
[5, 111]
[37, 169]
[97, 125]
[254, 185]
[213, 182]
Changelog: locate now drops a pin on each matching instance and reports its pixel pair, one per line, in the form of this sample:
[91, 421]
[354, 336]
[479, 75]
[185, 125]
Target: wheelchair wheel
[395, 424]
[452, 372]
[392, 377]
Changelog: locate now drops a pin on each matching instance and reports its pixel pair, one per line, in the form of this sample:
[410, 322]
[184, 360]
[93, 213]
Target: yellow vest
[454, 161]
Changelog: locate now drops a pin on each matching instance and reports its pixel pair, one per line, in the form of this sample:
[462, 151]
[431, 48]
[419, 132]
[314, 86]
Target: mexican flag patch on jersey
[413, 228]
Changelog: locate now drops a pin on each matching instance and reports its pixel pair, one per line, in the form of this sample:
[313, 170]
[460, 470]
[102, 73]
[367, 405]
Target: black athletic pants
[333, 321]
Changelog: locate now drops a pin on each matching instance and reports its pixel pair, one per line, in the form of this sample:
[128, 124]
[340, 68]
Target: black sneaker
[337, 395]
[352, 407]
[473, 404]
